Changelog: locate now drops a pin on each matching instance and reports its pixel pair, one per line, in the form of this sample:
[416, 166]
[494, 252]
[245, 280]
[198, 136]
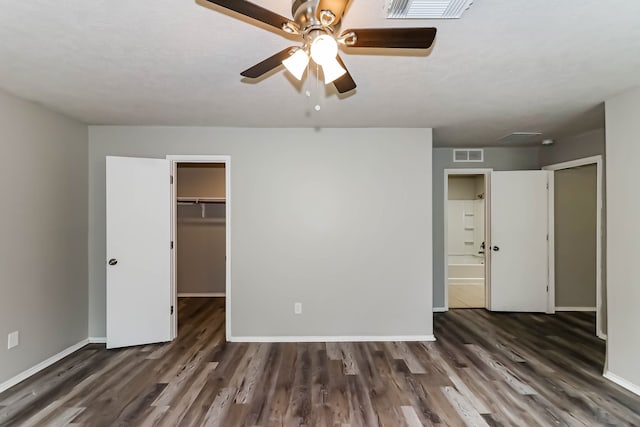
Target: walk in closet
[201, 230]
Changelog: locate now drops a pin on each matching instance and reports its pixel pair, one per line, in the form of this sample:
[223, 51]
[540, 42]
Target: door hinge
[171, 309]
[547, 185]
[547, 288]
[171, 179]
[171, 245]
[547, 237]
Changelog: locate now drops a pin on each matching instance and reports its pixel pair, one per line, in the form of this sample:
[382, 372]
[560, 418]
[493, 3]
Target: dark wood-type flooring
[485, 369]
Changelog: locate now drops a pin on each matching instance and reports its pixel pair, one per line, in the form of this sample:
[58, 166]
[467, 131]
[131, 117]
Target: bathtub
[466, 270]
[466, 259]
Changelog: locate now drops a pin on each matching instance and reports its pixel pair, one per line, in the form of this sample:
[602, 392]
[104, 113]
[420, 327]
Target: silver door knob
[113, 261]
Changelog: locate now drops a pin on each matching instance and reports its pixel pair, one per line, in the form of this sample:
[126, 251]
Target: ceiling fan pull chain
[317, 106]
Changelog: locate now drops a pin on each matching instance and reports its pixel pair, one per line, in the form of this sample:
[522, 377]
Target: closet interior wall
[201, 230]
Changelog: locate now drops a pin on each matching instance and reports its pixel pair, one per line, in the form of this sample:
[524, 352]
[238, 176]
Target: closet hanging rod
[201, 200]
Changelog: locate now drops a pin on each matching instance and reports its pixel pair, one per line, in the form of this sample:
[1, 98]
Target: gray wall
[338, 219]
[623, 233]
[575, 147]
[575, 236]
[502, 158]
[43, 224]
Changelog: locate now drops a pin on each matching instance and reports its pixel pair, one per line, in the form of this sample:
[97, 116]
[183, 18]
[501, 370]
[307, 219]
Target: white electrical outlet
[297, 308]
[13, 339]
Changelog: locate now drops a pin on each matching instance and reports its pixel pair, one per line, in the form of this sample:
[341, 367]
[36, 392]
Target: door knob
[113, 261]
[496, 249]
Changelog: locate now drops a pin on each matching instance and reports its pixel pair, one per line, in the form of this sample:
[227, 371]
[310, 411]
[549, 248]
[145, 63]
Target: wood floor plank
[338, 397]
[464, 408]
[259, 408]
[219, 407]
[180, 404]
[410, 416]
[485, 369]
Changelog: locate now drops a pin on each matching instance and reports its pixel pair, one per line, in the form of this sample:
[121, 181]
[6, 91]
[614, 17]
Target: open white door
[519, 246]
[138, 251]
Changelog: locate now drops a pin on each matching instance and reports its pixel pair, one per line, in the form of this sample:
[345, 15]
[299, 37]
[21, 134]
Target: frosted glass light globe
[297, 63]
[324, 49]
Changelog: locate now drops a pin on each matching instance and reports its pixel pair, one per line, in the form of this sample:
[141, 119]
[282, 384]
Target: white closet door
[519, 246]
[138, 251]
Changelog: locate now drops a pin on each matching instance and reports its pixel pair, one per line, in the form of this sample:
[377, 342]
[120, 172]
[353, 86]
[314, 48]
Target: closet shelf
[202, 200]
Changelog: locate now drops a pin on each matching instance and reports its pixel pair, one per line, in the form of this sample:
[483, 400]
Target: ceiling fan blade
[256, 12]
[402, 38]
[345, 83]
[337, 7]
[268, 64]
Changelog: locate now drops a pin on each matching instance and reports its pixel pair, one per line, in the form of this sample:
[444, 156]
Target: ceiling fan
[316, 22]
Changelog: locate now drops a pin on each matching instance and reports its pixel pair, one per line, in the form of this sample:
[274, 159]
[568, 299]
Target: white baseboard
[335, 339]
[440, 309]
[202, 295]
[97, 340]
[42, 365]
[575, 309]
[622, 382]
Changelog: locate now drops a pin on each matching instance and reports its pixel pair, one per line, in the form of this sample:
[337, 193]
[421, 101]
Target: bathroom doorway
[466, 214]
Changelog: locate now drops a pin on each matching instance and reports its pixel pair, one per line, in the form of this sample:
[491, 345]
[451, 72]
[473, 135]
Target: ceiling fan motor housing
[305, 13]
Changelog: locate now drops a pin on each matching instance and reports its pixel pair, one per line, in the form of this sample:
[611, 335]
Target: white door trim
[597, 160]
[551, 243]
[487, 235]
[226, 160]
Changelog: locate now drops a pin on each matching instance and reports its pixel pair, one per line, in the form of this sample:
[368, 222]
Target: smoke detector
[427, 9]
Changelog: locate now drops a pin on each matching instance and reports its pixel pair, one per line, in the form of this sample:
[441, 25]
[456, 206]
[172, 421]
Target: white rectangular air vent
[427, 9]
[475, 155]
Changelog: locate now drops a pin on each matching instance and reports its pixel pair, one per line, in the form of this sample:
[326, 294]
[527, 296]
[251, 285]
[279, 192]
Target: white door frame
[487, 230]
[226, 160]
[597, 160]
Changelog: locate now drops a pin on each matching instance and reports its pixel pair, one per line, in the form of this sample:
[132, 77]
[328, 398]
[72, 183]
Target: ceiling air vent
[465, 155]
[427, 9]
[520, 137]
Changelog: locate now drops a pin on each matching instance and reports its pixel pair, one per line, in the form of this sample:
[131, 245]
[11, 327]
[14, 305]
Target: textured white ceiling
[507, 65]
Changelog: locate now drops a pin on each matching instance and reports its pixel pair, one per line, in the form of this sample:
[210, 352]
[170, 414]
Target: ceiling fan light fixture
[324, 49]
[332, 70]
[297, 63]
[315, 22]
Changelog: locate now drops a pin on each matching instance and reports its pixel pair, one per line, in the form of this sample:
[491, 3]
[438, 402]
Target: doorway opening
[576, 261]
[200, 232]
[465, 217]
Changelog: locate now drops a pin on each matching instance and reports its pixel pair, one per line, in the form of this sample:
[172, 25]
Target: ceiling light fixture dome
[332, 71]
[297, 63]
[324, 50]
